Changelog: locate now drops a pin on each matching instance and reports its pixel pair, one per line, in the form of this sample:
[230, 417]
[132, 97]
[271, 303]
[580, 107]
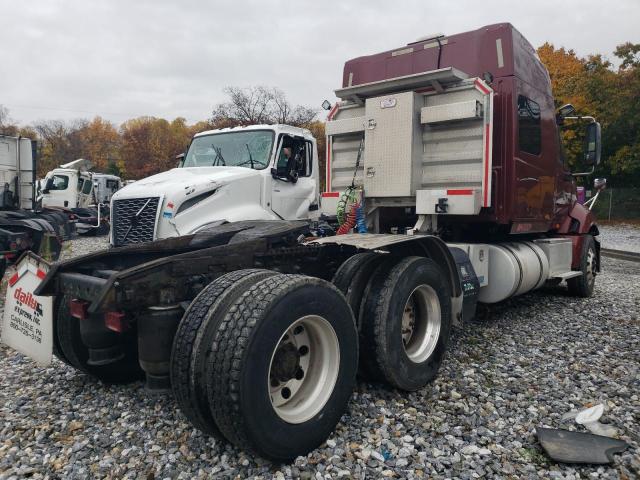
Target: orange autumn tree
[149, 145]
[596, 88]
[101, 144]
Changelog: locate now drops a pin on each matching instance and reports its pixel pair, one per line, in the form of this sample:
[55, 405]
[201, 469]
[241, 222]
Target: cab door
[85, 191]
[290, 200]
[534, 160]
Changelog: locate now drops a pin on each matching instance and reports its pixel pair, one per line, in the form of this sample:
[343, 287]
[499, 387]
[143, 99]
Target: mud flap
[28, 319]
[576, 447]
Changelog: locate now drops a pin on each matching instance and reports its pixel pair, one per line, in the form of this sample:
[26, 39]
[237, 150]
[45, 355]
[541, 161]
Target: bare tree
[7, 126]
[254, 105]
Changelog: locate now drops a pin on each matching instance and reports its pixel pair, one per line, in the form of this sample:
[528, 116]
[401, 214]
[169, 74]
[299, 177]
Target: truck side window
[529, 131]
[308, 159]
[86, 187]
[58, 182]
[295, 148]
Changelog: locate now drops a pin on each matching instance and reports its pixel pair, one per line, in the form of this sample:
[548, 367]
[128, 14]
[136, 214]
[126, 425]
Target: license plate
[27, 324]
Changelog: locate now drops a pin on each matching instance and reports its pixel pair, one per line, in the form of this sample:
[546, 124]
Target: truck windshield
[250, 149]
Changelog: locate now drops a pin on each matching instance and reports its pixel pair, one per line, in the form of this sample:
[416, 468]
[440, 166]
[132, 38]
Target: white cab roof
[278, 128]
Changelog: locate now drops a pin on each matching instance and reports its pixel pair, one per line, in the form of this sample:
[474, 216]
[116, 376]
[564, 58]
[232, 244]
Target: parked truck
[226, 175]
[446, 150]
[23, 224]
[74, 188]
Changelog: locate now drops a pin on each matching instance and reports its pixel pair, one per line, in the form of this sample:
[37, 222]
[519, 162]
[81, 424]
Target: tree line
[611, 95]
[146, 145]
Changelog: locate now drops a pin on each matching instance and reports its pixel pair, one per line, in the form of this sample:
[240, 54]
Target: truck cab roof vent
[427, 37]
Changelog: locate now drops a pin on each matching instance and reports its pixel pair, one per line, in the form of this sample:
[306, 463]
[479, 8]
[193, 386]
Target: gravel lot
[621, 236]
[521, 364]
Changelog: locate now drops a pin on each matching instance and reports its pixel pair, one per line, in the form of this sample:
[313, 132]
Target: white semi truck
[259, 172]
[87, 194]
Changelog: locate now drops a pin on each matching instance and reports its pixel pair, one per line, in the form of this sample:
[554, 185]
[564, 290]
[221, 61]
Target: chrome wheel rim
[303, 369]
[421, 322]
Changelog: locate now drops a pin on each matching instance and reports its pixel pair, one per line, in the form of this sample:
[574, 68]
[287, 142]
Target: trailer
[24, 225]
[445, 151]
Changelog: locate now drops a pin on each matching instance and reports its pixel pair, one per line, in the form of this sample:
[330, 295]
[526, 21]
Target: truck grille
[133, 220]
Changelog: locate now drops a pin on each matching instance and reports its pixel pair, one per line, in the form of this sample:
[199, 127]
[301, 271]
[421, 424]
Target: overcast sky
[123, 59]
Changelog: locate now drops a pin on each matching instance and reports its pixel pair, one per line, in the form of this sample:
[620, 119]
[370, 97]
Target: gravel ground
[621, 236]
[521, 364]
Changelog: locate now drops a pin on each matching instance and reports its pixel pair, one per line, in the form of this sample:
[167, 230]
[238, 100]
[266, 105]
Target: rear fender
[406, 245]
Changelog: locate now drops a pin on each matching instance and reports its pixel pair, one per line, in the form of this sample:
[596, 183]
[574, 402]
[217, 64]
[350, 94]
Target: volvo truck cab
[258, 172]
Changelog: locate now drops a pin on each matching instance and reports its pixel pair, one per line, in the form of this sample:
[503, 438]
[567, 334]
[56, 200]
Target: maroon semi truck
[446, 151]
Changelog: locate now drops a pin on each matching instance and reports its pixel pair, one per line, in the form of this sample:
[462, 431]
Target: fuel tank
[514, 268]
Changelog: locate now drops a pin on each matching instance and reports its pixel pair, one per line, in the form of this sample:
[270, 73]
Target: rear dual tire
[192, 344]
[280, 356]
[404, 316]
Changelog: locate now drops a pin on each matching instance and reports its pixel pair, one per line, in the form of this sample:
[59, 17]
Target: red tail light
[116, 321]
[78, 308]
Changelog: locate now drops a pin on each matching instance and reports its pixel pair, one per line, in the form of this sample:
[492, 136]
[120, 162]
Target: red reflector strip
[460, 192]
[481, 87]
[333, 112]
[41, 274]
[14, 278]
[487, 141]
[78, 308]
[115, 321]
[330, 194]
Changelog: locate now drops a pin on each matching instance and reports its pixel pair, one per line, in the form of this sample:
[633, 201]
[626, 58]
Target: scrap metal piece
[576, 447]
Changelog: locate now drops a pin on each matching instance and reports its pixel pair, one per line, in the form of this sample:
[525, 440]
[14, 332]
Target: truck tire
[352, 278]
[583, 285]
[75, 353]
[406, 317]
[192, 344]
[57, 349]
[283, 366]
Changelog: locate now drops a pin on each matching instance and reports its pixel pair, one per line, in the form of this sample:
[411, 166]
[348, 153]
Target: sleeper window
[529, 131]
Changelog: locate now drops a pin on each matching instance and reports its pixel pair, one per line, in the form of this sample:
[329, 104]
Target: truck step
[567, 275]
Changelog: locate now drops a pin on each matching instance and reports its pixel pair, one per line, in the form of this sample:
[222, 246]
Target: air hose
[350, 212]
[355, 217]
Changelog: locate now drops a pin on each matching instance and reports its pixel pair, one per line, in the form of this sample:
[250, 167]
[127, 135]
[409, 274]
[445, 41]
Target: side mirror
[599, 184]
[592, 144]
[566, 110]
[326, 105]
[179, 160]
